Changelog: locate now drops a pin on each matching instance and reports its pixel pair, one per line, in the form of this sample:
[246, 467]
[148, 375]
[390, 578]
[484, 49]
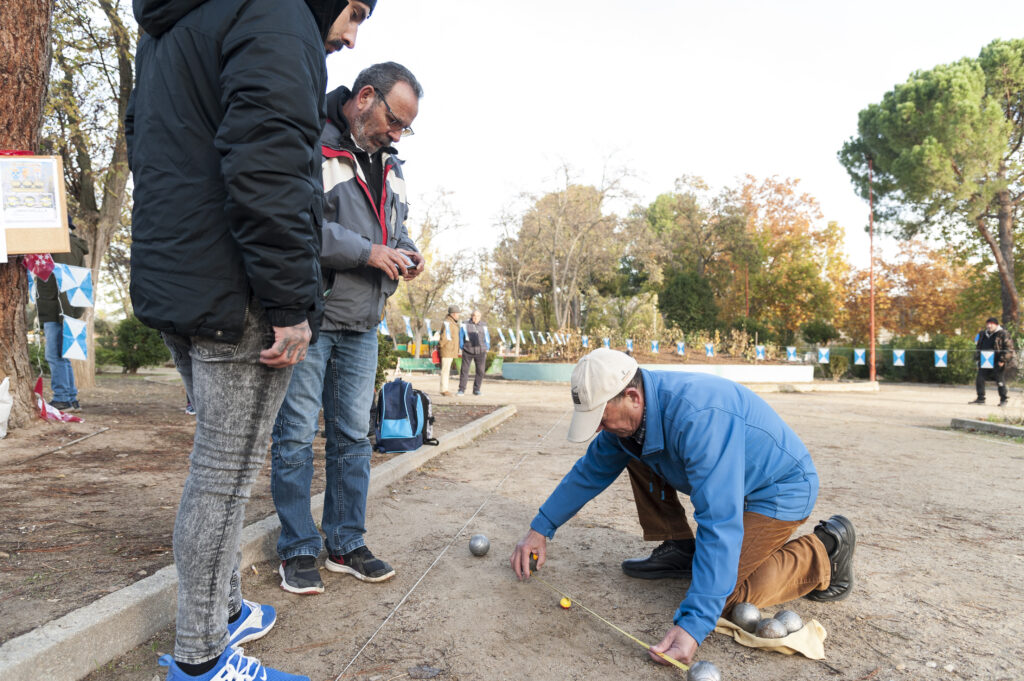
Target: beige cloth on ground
[809, 641]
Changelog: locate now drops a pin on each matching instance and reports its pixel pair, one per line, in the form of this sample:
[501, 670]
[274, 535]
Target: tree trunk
[24, 72]
[1011, 302]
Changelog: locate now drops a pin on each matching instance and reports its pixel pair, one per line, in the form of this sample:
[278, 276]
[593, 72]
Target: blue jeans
[62, 378]
[338, 373]
[236, 399]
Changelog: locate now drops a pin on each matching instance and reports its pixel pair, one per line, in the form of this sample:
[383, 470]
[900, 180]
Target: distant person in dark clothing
[995, 339]
[53, 306]
[474, 341]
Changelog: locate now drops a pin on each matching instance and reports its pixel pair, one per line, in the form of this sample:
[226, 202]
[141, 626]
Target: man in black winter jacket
[995, 353]
[223, 141]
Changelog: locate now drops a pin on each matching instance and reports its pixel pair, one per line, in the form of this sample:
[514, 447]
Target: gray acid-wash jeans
[236, 399]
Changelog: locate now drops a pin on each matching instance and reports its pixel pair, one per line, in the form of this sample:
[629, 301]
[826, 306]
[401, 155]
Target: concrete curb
[73, 646]
[815, 387]
[987, 427]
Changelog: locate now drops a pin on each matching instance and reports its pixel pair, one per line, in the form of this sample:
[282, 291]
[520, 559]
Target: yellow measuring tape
[670, 660]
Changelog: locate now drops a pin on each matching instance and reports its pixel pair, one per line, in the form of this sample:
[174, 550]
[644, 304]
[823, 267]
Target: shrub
[819, 332]
[386, 360]
[139, 346]
[37, 357]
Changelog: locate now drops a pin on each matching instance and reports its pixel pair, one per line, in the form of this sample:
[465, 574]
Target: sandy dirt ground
[90, 518]
[938, 514]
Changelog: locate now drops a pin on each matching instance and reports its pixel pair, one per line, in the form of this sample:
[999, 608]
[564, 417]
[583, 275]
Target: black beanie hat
[991, 320]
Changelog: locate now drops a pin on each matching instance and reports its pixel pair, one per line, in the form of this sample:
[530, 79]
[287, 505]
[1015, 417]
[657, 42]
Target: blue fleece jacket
[722, 445]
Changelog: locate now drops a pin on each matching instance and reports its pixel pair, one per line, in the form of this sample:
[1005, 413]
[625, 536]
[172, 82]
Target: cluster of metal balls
[748, 618]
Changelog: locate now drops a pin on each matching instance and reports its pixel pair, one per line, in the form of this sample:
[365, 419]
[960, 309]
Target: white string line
[444, 550]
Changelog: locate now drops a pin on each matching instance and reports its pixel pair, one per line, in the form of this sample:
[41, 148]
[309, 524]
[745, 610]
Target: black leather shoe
[980, 400]
[672, 559]
[841, 557]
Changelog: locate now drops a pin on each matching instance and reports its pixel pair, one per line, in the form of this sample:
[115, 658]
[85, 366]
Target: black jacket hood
[156, 17]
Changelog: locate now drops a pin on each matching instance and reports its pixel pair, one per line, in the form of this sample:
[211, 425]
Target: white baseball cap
[597, 378]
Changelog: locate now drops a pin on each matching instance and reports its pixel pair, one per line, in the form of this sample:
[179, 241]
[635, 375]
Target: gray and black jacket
[352, 224]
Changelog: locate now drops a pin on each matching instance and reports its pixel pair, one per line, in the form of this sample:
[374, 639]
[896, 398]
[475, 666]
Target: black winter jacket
[223, 142]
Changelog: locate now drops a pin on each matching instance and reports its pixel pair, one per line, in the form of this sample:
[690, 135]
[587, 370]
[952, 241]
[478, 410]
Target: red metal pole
[871, 268]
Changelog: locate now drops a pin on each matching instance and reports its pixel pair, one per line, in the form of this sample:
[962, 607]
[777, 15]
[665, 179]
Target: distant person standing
[53, 306]
[993, 338]
[474, 343]
[448, 347]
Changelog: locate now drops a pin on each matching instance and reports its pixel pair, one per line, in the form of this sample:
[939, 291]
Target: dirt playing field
[938, 514]
[97, 515]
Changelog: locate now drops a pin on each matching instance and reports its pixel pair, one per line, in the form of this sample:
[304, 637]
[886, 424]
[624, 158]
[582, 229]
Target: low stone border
[73, 646]
[987, 427]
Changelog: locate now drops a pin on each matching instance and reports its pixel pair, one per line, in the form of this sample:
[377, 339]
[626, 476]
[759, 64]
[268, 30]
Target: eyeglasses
[393, 122]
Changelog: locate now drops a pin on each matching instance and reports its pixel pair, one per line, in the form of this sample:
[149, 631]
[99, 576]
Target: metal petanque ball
[746, 616]
[703, 671]
[479, 544]
[771, 628]
[790, 620]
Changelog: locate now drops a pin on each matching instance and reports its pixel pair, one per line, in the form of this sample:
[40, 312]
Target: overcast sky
[665, 88]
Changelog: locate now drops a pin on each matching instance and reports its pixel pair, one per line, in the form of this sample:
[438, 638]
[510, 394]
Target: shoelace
[239, 667]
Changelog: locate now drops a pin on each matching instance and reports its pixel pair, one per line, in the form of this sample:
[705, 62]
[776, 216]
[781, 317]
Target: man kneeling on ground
[750, 478]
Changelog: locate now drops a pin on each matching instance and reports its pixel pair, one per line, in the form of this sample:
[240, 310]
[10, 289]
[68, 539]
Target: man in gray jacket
[366, 249]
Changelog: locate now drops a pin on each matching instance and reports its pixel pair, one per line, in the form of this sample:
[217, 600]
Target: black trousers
[990, 375]
[469, 358]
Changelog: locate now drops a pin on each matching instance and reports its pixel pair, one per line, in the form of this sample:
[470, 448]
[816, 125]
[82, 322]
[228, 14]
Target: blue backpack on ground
[403, 420]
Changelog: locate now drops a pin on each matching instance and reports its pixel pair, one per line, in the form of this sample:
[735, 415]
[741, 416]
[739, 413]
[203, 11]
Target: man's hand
[677, 644]
[289, 348]
[390, 261]
[533, 542]
[417, 261]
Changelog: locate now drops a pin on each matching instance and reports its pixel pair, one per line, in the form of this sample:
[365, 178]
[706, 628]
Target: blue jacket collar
[654, 440]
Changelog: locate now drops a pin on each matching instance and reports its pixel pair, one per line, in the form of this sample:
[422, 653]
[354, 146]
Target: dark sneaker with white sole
[299, 575]
[670, 559]
[841, 530]
[361, 564]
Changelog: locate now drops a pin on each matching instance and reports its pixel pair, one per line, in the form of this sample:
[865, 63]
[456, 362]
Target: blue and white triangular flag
[585, 341]
[899, 358]
[790, 353]
[541, 335]
[823, 355]
[430, 332]
[533, 339]
[502, 335]
[760, 352]
[606, 342]
[709, 349]
[487, 336]
[860, 355]
[447, 331]
[76, 282]
[629, 345]
[550, 339]
[680, 348]
[383, 326]
[74, 339]
[942, 358]
[988, 359]
[511, 336]
[654, 346]
[33, 289]
[522, 337]
[408, 326]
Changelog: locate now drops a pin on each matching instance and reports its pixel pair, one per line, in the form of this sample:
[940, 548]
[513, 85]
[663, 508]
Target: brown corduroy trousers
[773, 568]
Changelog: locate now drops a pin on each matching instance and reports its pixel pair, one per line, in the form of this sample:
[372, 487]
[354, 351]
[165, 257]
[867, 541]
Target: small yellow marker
[565, 603]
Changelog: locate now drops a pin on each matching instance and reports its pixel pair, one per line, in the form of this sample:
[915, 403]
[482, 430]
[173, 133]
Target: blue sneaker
[254, 622]
[233, 665]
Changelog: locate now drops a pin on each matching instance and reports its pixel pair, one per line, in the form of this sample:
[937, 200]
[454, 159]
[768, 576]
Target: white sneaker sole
[345, 569]
[302, 591]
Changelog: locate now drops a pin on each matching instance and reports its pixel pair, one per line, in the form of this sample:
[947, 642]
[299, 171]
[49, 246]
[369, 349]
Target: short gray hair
[382, 77]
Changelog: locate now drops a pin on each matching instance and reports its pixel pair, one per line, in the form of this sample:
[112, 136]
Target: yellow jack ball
[565, 603]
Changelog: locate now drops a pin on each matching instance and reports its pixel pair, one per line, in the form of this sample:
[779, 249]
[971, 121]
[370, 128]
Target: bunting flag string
[860, 356]
[988, 359]
[899, 358]
[76, 282]
[942, 358]
[74, 343]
